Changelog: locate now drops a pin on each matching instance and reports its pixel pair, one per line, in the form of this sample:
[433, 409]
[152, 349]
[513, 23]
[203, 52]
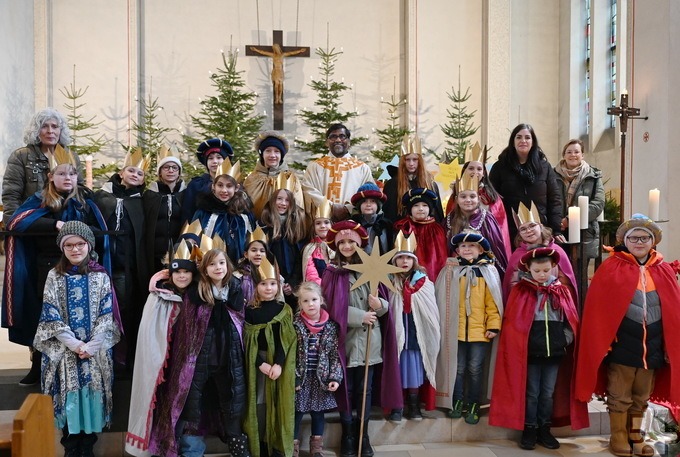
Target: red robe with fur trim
[432, 250]
[508, 397]
[609, 295]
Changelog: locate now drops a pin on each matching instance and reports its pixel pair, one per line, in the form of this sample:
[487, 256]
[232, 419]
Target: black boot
[87, 441]
[33, 376]
[348, 444]
[529, 436]
[545, 438]
[71, 443]
[413, 407]
[238, 445]
[366, 449]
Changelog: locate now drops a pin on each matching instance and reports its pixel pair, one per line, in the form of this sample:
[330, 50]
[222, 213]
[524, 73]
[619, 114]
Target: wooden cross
[277, 51]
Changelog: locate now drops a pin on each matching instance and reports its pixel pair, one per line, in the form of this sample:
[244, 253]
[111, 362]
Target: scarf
[526, 172]
[315, 327]
[469, 271]
[551, 294]
[572, 178]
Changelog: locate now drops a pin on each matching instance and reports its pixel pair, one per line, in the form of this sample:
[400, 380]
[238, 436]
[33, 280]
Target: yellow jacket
[484, 315]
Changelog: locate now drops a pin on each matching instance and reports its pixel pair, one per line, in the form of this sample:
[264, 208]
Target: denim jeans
[471, 358]
[318, 423]
[189, 445]
[541, 379]
[355, 388]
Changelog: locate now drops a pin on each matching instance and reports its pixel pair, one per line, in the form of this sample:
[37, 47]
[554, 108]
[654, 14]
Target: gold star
[448, 172]
[374, 268]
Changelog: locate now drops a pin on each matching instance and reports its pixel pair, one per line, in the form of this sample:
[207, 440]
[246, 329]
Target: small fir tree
[328, 95]
[460, 125]
[229, 114]
[391, 136]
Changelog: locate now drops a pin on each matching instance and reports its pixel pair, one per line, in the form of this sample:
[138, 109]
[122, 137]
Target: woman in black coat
[523, 174]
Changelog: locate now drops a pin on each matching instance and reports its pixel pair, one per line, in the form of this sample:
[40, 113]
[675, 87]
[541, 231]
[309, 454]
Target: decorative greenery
[460, 125]
[392, 136]
[228, 114]
[612, 213]
[328, 96]
[86, 140]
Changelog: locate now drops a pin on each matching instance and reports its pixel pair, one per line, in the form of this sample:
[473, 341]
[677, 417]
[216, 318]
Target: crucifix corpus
[277, 51]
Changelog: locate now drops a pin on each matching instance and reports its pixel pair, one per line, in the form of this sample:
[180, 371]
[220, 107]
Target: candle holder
[580, 266]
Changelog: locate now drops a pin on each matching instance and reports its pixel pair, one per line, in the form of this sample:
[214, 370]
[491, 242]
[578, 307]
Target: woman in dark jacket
[578, 179]
[523, 174]
[162, 211]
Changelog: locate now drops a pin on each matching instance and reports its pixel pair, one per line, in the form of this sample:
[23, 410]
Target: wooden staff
[363, 395]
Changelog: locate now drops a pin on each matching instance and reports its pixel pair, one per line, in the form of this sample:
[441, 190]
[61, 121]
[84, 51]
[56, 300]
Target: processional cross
[277, 51]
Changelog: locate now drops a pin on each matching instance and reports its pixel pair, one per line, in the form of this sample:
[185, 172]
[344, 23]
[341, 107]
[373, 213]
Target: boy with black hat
[368, 202]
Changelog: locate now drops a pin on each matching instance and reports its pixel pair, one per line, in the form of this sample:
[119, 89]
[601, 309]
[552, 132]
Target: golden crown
[137, 159]
[258, 235]
[323, 211]
[411, 145]
[524, 215]
[194, 228]
[266, 270]
[475, 153]
[182, 252]
[61, 156]
[286, 180]
[216, 242]
[165, 152]
[405, 243]
[467, 182]
[226, 168]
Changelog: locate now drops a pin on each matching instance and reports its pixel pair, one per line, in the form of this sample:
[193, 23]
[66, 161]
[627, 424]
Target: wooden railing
[31, 433]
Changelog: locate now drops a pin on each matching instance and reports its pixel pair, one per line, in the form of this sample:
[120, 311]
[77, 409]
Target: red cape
[509, 388]
[432, 250]
[609, 296]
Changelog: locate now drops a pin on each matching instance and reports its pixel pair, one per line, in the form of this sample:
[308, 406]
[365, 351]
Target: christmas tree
[391, 137]
[328, 95]
[460, 125]
[228, 114]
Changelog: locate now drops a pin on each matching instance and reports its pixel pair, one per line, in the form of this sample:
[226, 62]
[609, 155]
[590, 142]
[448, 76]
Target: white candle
[88, 171]
[654, 195]
[600, 218]
[574, 224]
[583, 207]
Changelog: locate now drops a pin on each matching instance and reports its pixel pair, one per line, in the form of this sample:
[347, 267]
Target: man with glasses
[629, 348]
[337, 175]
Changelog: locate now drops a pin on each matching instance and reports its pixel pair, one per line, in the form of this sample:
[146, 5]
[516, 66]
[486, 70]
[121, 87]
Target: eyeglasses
[528, 228]
[170, 168]
[639, 239]
[340, 137]
[78, 246]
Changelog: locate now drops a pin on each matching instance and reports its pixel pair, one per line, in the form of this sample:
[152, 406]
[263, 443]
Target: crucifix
[277, 51]
[624, 112]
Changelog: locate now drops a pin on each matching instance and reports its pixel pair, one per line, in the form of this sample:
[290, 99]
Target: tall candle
[654, 195]
[574, 224]
[583, 207]
[88, 171]
[600, 218]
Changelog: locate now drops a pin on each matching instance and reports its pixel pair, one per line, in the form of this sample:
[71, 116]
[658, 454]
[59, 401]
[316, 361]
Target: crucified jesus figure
[277, 56]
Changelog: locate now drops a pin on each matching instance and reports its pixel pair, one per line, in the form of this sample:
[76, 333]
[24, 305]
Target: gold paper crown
[403, 243]
[193, 228]
[216, 242]
[323, 210]
[475, 153]
[258, 235]
[226, 168]
[411, 145]
[523, 215]
[467, 182]
[287, 181]
[196, 253]
[266, 270]
[137, 159]
[164, 153]
[182, 252]
[60, 157]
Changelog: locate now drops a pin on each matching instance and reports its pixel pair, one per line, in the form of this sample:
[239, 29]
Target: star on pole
[448, 172]
[374, 268]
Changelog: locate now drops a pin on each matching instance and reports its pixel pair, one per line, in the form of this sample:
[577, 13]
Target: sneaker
[472, 416]
[395, 415]
[457, 411]
[529, 436]
[546, 439]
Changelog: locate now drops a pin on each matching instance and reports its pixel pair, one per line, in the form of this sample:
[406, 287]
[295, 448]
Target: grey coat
[26, 174]
[591, 186]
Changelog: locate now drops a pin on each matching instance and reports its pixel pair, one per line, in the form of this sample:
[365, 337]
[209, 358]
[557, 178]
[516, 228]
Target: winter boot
[238, 445]
[87, 441]
[413, 408]
[316, 446]
[366, 449]
[472, 416]
[457, 411]
[545, 438]
[529, 436]
[296, 448]
[71, 443]
[618, 441]
[33, 376]
[348, 442]
[636, 436]
[395, 415]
